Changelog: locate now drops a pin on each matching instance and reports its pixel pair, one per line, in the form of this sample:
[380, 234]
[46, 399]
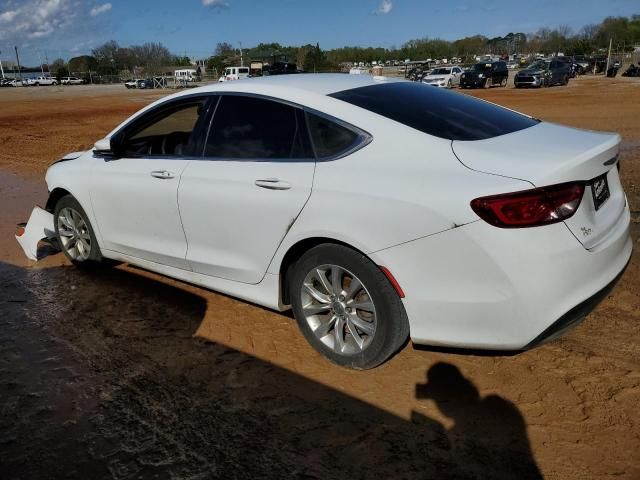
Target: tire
[74, 233]
[503, 82]
[37, 84]
[381, 326]
[487, 83]
[449, 84]
[565, 80]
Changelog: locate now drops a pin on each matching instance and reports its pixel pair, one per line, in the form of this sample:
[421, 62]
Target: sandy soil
[125, 374]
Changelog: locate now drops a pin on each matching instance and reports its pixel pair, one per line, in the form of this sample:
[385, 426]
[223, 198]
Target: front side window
[251, 128]
[166, 131]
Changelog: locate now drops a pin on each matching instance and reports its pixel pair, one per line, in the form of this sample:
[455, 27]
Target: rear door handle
[273, 184]
[163, 174]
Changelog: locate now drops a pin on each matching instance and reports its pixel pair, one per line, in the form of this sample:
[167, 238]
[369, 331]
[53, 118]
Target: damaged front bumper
[39, 227]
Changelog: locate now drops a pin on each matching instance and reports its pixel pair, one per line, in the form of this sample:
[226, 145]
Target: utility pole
[41, 65]
[606, 70]
[1, 69]
[241, 58]
[19, 67]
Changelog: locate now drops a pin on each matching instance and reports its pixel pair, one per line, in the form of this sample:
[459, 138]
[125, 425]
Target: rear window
[437, 112]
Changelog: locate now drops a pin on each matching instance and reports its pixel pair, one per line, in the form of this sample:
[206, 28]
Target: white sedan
[445, 77]
[488, 230]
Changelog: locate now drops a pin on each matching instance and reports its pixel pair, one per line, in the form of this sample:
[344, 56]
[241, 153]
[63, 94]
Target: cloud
[36, 18]
[98, 9]
[216, 4]
[384, 8]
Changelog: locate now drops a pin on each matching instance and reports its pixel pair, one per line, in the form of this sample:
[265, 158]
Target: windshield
[539, 65]
[441, 71]
[481, 67]
[437, 112]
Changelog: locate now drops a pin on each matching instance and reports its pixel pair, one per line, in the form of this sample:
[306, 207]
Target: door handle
[163, 174]
[273, 184]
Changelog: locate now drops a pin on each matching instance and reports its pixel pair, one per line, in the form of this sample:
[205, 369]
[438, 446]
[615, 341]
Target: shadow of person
[488, 438]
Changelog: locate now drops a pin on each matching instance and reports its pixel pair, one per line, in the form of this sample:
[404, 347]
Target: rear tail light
[530, 208]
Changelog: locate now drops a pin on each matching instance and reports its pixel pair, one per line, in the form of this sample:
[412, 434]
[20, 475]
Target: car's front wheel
[74, 233]
[346, 307]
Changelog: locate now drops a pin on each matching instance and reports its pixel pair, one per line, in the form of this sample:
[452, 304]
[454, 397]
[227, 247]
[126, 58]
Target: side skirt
[266, 293]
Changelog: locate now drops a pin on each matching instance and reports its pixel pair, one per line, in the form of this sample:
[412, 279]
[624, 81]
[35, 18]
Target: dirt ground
[126, 374]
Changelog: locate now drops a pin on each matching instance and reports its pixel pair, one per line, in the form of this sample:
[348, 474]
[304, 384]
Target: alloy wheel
[74, 234]
[339, 309]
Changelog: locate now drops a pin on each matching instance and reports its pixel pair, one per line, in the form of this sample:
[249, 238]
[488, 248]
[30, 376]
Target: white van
[234, 73]
[186, 75]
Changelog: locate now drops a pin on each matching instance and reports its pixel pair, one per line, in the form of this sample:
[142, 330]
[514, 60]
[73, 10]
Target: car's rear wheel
[503, 82]
[75, 235]
[346, 307]
[487, 83]
[449, 84]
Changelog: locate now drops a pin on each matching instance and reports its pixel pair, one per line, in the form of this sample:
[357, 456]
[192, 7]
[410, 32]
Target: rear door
[239, 201]
[135, 196]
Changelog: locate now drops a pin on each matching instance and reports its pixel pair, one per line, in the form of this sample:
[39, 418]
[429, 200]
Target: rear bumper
[479, 286]
[575, 316]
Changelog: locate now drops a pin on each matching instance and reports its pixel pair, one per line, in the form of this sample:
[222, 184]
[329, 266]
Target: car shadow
[101, 377]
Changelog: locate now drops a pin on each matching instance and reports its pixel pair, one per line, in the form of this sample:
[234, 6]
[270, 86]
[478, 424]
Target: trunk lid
[548, 154]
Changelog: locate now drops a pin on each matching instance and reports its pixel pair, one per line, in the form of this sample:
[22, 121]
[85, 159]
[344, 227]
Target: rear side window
[250, 128]
[437, 112]
[329, 138]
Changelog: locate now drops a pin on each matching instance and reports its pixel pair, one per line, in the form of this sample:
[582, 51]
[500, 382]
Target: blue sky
[66, 28]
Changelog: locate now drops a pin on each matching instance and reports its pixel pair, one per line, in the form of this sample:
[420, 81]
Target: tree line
[589, 40]
[150, 58]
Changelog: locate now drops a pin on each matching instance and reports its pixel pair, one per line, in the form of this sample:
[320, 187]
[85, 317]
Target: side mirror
[107, 147]
[102, 147]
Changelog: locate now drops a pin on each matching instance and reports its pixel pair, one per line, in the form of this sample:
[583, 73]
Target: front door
[135, 195]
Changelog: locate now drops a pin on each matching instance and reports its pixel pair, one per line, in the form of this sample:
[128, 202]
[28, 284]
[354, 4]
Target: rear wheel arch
[294, 253]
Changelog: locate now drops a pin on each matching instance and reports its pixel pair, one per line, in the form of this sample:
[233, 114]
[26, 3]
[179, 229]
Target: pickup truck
[42, 81]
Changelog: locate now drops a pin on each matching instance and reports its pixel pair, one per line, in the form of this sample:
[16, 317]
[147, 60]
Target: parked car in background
[42, 80]
[234, 73]
[71, 81]
[145, 83]
[285, 68]
[485, 75]
[141, 83]
[632, 71]
[544, 73]
[15, 83]
[509, 233]
[448, 77]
